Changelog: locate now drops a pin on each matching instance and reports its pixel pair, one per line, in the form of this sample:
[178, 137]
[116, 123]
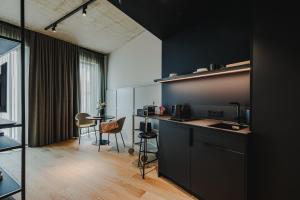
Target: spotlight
[84, 11]
[54, 28]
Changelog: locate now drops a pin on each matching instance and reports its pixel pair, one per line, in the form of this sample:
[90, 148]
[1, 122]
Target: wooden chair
[114, 131]
[82, 122]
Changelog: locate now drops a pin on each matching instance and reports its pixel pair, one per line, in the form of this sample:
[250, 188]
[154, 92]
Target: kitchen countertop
[202, 123]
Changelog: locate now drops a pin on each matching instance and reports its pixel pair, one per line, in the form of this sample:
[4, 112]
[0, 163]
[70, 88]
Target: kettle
[248, 116]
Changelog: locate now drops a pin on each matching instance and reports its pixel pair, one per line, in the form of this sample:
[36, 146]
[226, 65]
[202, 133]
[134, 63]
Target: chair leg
[99, 141]
[95, 134]
[145, 149]
[140, 150]
[89, 132]
[157, 146]
[108, 140]
[146, 141]
[122, 138]
[117, 142]
[79, 134]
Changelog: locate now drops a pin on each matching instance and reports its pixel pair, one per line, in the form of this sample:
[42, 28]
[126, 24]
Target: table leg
[102, 142]
[131, 150]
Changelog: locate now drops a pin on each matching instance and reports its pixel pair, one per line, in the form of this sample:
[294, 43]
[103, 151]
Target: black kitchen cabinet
[174, 152]
[217, 165]
[207, 162]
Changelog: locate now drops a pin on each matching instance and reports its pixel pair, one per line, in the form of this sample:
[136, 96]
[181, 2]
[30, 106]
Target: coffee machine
[180, 112]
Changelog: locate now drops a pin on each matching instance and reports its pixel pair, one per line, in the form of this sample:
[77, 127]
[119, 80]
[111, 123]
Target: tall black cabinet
[274, 157]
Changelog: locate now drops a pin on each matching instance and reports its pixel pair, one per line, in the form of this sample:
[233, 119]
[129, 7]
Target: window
[90, 83]
[14, 109]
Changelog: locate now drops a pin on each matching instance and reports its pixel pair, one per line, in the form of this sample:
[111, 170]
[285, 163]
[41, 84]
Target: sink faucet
[238, 110]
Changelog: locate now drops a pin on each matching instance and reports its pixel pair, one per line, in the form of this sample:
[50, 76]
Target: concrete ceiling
[104, 29]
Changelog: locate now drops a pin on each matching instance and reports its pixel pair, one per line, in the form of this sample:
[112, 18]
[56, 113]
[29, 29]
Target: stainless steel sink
[229, 126]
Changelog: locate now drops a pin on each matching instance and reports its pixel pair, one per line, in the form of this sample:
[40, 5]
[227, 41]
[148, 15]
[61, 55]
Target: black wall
[220, 41]
[275, 163]
[212, 93]
[217, 41]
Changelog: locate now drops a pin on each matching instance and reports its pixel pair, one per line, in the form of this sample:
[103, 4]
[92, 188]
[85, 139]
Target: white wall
[131, 71]
[138, 62]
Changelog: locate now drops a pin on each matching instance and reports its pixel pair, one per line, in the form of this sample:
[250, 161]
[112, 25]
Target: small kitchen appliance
[180, 112]
[150, 110]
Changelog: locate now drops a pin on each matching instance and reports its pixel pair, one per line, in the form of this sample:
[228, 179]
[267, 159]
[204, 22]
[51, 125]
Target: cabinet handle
[191, 137]
[222, 148]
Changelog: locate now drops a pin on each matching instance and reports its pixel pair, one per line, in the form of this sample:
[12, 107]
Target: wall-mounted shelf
[223, 71]
[4, 123]
[7, 143]
[8, 186]
[10, 126]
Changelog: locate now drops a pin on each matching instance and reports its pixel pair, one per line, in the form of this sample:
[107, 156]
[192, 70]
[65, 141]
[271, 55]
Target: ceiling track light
[83, 7]
[54, 28]
[84, 10]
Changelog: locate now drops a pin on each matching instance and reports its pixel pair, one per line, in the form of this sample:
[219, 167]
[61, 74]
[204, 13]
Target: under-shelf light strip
[207, 75]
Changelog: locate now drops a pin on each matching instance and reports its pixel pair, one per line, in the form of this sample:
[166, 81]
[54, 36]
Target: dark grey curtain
[104, 78]
[13, 32]
[53, 90]
[53, 85]
[10, 31]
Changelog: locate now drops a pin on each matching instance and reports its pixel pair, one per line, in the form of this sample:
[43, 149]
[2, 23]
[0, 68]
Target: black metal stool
[143, 159]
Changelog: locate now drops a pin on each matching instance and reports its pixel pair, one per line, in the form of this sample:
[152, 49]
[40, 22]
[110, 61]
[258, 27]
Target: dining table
[101, 119]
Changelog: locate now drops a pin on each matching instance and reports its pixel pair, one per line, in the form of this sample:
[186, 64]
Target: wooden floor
[67, 171]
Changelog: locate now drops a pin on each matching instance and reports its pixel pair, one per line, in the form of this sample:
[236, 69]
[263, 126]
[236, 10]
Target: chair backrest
[120, 123]
[116, 130]
[81, 118]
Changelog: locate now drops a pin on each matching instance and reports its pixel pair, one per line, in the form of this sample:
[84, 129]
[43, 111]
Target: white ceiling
[104, 29]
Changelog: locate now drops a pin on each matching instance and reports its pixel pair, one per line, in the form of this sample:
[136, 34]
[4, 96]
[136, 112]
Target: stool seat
[148, 135]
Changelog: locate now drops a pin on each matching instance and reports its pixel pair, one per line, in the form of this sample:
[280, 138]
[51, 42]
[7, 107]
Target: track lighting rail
[82, 7]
